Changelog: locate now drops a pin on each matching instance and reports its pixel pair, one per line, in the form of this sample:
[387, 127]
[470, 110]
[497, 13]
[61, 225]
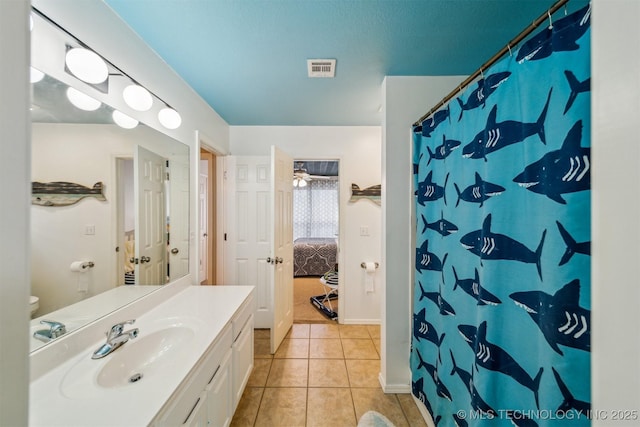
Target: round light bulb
[86, 65]
[169, 118]
[36, 75]
[137, 97]
[302, 183]
[82, 100]
[123, 120]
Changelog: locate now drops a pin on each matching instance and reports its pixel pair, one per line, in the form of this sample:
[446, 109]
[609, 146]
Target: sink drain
[135, 378]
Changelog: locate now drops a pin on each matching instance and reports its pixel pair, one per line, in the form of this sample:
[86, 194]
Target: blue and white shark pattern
[559, 316]
[498, 135]
[422, 329]
[573, 247]
[567, 170]
[442, 151]
[445, 308]
[577, 87]
[561, 37]
[494, 246]
[477, 402]
[441, 226]
[432, 370]
[426, 260]
[568, 401]
[479, 192]
[494, 358]
[526, 204]
[486, 86]
[473, 288]
[431, 123]
[429, 191]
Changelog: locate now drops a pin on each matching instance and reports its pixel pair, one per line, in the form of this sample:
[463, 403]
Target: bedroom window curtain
[501, 312]
[315, 209]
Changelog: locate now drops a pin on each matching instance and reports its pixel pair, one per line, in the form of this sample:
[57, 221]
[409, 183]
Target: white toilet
[34, 304]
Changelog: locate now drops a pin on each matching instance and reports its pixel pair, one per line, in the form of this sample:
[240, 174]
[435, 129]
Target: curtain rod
[535, 24]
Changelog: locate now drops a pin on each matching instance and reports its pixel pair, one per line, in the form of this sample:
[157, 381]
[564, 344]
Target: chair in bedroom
[330, 283]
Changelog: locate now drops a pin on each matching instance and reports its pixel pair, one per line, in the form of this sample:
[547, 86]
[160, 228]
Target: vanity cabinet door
[242, 360]
[198, 416]
[219, 389]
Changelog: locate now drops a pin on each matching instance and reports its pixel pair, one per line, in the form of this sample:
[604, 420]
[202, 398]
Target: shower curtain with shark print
[501, 312]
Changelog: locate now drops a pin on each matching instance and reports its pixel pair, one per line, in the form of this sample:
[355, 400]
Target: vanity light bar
[90, 67]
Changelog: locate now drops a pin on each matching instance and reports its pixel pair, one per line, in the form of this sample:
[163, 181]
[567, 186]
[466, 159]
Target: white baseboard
[358, 321]
[393, 388]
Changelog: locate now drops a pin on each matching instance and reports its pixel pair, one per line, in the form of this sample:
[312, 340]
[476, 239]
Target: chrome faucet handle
[55, 328]
[117, 329]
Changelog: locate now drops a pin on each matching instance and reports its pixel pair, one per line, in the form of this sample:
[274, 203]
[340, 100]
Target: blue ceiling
[247, 58]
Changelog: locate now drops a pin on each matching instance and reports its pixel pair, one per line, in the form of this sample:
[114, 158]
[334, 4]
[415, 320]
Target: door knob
[144, 259]
[270, 260]
[279, 260]
[174, 251]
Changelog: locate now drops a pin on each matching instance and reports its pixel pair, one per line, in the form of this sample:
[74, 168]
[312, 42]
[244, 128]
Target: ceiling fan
[301, 176]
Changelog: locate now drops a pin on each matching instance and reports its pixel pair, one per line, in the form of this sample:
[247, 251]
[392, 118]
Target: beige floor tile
[299, 330]
[245, 415]
[411, 410]
[357, 348]
[328, 373]
[354, 331]
[262, 333]
[262, 348]
[288, 373]
[374, 331]
[325, 348]
[330, 407]
[282, 407]
[293, 348]
[374, 399]
[260, 373]
[363, 373]
[323, 330]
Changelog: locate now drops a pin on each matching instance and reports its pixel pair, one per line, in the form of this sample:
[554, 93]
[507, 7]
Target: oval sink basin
[147, 356]
[143, 357]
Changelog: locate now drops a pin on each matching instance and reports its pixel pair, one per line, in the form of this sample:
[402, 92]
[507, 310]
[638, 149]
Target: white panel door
[151, 230]
[282, 255]
[179, 219]
[203, 233]
[248, 235]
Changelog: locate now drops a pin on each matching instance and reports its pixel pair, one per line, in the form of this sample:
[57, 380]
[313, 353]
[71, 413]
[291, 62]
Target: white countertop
[83, 312]
[55, 400]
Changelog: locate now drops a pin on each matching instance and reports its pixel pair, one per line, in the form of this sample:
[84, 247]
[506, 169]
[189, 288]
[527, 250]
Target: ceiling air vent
[321, 67]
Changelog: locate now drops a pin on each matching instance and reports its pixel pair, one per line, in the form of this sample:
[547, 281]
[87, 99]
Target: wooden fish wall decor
[372, 193]
[63, 193]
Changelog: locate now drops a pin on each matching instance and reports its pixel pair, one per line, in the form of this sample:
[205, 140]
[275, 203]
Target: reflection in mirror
[126, 227]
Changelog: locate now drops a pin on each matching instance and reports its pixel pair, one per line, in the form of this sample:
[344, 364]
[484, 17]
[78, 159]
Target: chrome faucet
[55, 330]
[116, 337]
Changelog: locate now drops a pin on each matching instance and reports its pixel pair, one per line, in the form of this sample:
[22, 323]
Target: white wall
[615, 293]
[405, 100]
[82, 154]
[14, 212]
[358, 149]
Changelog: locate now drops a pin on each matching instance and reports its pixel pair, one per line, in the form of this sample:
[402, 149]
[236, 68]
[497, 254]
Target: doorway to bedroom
[316, 219]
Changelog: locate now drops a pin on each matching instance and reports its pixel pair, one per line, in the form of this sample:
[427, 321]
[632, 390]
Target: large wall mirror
[110, 205]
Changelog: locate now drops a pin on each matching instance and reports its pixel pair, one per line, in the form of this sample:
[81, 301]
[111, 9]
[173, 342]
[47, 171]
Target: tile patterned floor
[322, 375]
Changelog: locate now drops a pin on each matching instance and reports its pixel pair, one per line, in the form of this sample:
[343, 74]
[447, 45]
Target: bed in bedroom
[314, 256]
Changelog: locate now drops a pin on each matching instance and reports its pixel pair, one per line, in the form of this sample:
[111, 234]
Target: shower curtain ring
[550, 20]
[509, 47]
